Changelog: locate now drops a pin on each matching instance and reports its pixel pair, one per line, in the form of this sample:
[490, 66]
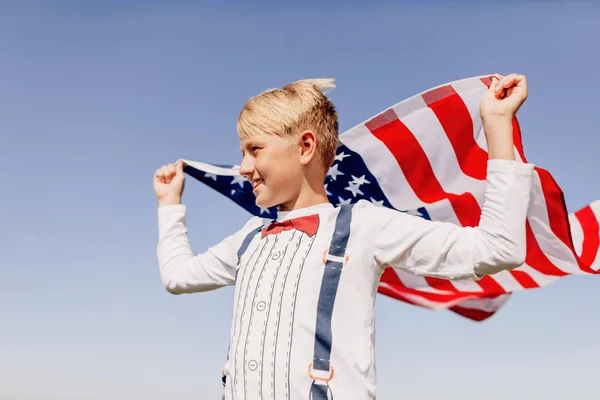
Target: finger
[179, 167]
[502, 85]
[494, 81]
[171, 169]
[520, 80]
[166, 174]
[160, 176]
[507, 81]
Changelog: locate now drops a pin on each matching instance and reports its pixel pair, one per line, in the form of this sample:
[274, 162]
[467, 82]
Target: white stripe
[488, 305]
[471, 92]
[212, 169]
[507, 281]
[382, 164]
[576, 233]
[442, 211]
[555, 250]
[434, 141]
[466, 285]
[434, 305]
[539, 278]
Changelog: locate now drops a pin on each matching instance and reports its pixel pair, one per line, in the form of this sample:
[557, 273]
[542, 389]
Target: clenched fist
[168, 183]
[504, 97]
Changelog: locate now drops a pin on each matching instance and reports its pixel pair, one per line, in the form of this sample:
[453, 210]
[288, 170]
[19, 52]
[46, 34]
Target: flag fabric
[427, 156]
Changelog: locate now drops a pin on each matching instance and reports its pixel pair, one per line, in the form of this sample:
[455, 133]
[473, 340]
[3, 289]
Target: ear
[308, 147]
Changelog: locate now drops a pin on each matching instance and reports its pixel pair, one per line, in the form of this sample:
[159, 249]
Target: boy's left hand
[504, 97]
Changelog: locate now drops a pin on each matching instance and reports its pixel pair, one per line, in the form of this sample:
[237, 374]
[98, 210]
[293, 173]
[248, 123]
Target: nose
[247, 167]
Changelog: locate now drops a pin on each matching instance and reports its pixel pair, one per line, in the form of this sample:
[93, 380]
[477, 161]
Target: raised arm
[180, 269]
[498, 243]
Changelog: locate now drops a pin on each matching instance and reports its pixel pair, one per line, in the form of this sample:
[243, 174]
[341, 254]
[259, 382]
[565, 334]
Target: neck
[310, 195]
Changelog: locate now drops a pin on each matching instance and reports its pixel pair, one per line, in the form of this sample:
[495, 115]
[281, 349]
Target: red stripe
[391, 278]
[524, 279]
[536, 258]
[387, 291]
[490, 286]
[416, 167]
[518, 142]
[591, 238]
[557, 210]
[471, 313]
[454, 116]
[394, 288]
[486, 81]
[441, 284]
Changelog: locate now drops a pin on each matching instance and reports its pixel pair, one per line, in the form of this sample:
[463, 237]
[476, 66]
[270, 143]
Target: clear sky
[94, 96]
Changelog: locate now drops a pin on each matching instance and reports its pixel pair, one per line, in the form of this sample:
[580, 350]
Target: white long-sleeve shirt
[278, 281]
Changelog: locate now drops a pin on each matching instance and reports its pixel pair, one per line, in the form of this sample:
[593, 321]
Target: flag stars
[359, 181]
[354, 189]
[239, 179]
[327, 191]
[341, 156]
[334, 172]
[377, 202]
[208, 175]
[264, 210]
[344, 201]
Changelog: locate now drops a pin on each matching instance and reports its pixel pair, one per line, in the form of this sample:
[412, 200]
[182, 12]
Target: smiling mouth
[256, 183]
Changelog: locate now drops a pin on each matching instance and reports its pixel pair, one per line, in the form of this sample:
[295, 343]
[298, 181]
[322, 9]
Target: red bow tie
[308, 224]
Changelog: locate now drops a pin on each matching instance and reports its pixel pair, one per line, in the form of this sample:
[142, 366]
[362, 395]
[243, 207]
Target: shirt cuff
[510, 166]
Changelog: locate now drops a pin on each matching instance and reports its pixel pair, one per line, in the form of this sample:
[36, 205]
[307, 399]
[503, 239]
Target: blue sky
[96, 95]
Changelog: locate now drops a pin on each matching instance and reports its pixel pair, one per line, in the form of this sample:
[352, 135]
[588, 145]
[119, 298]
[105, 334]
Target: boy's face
[272, 165]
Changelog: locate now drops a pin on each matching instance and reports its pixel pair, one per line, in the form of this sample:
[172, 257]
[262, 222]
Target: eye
[254, 149]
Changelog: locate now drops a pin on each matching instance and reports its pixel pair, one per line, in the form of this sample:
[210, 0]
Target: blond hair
[292, 109]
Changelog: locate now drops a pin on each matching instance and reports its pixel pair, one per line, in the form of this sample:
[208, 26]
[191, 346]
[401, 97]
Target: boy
[305, 285]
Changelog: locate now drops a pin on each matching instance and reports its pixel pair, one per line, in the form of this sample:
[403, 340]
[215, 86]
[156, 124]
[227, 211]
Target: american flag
[427, 156]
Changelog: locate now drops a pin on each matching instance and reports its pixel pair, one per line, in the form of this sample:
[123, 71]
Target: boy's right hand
[168, 183]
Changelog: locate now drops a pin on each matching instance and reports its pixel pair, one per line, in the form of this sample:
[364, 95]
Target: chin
[265, 203]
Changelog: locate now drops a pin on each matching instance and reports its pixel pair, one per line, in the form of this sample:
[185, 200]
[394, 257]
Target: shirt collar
[301, 212]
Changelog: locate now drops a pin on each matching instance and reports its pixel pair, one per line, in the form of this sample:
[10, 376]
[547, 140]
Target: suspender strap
[245, 245]
[246, 242]
[334, 261]
[318, 392]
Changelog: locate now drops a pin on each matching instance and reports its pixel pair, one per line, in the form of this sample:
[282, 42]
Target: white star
[359, 181]
[334, 172]
[327, 191]
[377, 202]
[264, 210]
[211, 176]
[232, 191]
[354, 189]
[341, 156]
[239, 179]
[342, 201]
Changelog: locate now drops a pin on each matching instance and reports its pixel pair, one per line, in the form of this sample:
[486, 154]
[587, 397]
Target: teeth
[256, 183]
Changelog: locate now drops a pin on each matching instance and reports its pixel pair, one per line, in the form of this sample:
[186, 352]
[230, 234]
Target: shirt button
[276, 255]
[252, 365]
[261, 306]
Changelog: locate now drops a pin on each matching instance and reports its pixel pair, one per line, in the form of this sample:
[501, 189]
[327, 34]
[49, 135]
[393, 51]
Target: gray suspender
[334, 262]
